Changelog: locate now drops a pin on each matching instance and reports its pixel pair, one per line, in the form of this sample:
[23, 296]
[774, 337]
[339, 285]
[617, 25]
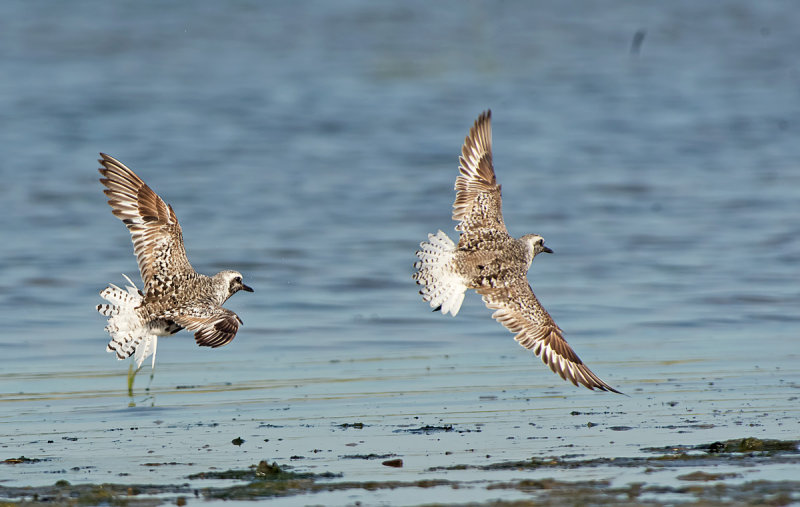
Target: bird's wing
[517, 308]
[478, 205]
[214, 326]
[155, 231]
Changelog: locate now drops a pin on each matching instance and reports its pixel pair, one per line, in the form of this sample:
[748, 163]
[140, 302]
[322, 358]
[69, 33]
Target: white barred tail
[443, 287]
[129, 334]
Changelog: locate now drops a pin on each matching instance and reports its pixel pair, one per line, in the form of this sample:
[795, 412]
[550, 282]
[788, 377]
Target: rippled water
[313, 145]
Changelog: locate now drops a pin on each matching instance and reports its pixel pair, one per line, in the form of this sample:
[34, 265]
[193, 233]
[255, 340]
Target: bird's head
[536, 244]
[232, 280]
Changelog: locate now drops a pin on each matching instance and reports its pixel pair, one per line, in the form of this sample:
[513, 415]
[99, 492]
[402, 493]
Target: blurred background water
[312, 145]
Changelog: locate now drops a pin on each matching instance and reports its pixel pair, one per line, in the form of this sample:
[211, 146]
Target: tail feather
[146, 349]
[443, 287]
[129, 334]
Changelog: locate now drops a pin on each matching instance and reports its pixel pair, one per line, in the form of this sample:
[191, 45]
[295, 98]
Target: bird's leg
[150, 382]
[131, 376]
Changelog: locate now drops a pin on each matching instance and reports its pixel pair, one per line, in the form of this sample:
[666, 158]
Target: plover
[175, 296]
[493, 263]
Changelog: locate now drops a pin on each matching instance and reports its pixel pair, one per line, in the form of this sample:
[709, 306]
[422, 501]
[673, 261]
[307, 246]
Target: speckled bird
[494, 263]
[175, 296]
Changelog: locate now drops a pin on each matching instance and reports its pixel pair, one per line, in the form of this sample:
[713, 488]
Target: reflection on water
[314, 149]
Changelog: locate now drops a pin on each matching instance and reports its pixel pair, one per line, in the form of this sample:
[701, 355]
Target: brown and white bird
[494, 263]
[175, 296]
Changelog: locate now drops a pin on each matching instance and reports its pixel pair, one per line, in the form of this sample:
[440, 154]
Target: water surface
[312, 146]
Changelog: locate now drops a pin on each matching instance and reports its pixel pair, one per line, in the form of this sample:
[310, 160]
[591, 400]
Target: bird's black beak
[546, 249]
[248, 289]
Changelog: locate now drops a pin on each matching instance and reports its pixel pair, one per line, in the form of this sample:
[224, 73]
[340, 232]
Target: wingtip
[485, 116]
[105, 159]
[611, 389]
[592, 382]
[602, 386]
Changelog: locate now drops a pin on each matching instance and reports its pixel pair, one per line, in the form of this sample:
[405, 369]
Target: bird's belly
[163, 327]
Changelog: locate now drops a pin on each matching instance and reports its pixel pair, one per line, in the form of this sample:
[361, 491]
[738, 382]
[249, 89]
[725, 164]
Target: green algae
[368, 456]
[705, 476]
[266, 480]
[736, 451]
[260, 472]
[357, 425]
[427, 429]
[755, 444]
[737, 445]
[550, 492]
[64, 493]
[20, 460]
[544, 492]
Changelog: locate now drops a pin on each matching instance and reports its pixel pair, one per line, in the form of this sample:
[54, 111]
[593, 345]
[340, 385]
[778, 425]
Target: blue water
[313, 145]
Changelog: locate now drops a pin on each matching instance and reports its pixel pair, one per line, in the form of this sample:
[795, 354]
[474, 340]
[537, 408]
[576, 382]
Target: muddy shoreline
[713, 473]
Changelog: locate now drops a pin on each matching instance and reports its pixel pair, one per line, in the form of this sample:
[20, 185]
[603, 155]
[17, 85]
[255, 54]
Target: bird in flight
[495, 264]
[174, 295]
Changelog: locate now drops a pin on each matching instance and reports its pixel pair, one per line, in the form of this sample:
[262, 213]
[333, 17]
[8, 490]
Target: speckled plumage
[175, 296]
[494, 263]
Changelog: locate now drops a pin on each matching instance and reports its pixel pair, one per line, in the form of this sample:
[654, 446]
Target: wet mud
[708, 474]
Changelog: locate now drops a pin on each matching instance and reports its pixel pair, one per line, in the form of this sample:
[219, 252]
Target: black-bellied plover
[493, 263]
[175, 296]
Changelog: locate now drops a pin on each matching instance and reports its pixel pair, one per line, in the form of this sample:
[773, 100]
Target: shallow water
[312, 146]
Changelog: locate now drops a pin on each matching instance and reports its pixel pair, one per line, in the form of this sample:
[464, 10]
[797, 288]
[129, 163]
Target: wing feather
[478, 203]
[155, 231]
[517, 308]
[214, 326]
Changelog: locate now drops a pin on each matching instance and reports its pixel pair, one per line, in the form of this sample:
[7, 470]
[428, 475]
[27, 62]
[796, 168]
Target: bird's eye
[239, 279]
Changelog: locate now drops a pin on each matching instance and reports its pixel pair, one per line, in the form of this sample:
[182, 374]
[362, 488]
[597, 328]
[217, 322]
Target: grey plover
[175, 296]
[493, 263]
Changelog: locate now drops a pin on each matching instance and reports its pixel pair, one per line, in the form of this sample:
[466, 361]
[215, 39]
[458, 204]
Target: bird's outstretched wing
[517, 308]
[214, 326]
[478, 206]
[155, 231]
